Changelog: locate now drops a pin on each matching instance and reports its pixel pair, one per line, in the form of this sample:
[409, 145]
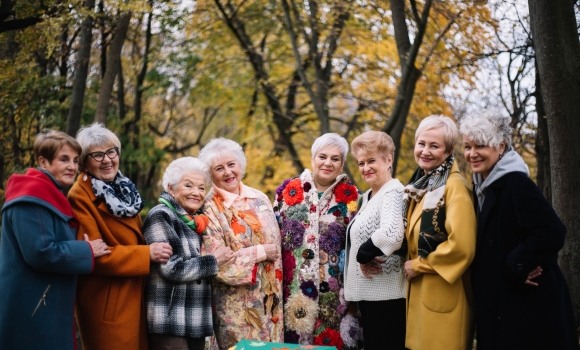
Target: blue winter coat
[39, 262]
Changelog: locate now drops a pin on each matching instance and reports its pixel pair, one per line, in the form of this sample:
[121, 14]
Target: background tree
[555, 33]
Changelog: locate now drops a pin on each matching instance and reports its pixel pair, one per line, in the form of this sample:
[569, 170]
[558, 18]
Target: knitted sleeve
[182, 266]
[389, 237]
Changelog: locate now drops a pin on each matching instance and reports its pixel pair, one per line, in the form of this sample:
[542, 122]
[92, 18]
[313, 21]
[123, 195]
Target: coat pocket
[438, 295]
[111, 304]
[38, 306]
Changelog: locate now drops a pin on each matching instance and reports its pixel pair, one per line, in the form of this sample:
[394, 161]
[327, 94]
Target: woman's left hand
[372, 268]
[408, 270]
[535, 273]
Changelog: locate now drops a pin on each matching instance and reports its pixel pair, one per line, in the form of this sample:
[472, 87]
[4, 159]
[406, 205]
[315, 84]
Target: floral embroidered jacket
[246, 292]
[313, 229]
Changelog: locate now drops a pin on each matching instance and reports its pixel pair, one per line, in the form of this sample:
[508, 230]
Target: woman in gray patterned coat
[178, 293]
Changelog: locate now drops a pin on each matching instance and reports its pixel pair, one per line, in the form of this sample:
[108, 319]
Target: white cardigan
[381, 219]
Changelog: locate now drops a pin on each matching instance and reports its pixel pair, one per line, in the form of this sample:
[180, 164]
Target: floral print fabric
[246, 293]
[313, 230]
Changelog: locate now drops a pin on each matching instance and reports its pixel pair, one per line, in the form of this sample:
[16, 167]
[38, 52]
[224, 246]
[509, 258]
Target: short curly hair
[373, 141]
[330, 139]
[222, 147]
[180, 167]
[487, 128]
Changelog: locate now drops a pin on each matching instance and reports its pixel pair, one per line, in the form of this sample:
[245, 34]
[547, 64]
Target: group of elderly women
[417, 266]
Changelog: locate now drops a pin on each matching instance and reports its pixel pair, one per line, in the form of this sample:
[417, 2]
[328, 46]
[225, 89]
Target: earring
[501, 156]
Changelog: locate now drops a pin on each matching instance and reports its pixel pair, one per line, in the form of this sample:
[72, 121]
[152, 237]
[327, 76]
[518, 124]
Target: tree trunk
[555, 36]
[542, 146]
[113, 61]
[81, 72]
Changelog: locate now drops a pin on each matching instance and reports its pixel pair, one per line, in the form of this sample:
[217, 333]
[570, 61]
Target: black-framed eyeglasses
[112, 153]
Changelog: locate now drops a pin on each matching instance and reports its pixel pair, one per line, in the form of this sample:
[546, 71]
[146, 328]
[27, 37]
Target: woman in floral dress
[314, 210]
[247, 290]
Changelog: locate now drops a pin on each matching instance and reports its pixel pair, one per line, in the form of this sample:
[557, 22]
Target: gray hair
[95, 135]
[180, 167]
[487, 128]
[450, 132]
[330, 139]
[222, 147]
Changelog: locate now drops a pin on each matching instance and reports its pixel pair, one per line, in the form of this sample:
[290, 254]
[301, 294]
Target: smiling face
[430, 149]
[326, 166]
[63, 167]
[374, 168]
[105, 170]
[189, 192]
[481, 158]
[226, 173]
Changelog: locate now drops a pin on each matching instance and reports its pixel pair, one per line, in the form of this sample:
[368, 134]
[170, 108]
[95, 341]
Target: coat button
[520, 266]
[490, 242]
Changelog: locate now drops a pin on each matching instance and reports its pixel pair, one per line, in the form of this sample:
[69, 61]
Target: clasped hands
[373, 267]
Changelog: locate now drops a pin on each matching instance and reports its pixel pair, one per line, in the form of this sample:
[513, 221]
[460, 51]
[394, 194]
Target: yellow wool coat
[109, 303]
[439, 299]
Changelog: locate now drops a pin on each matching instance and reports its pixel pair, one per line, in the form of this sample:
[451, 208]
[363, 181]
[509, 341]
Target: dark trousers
[383, 324]
[170, 342]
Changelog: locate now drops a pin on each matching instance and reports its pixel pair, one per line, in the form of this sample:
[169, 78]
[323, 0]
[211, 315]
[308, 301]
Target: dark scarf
[120, 195]
[432, 187]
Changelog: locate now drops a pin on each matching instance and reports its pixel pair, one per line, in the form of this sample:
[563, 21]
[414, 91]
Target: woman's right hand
[99, 247]
[160, 252]
[271, 251]
[535, 273]
[222, 254]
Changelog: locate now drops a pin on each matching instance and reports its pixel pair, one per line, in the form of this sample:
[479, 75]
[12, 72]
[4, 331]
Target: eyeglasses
[112, 153]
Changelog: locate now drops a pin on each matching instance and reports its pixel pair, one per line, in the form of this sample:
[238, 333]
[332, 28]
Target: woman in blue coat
[40, 257]
[521, 297]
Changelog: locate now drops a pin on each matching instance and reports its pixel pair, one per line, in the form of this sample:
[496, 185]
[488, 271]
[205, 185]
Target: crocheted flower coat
[313, 230]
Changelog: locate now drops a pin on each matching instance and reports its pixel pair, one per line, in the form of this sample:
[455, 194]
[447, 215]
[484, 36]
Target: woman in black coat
[521, 297]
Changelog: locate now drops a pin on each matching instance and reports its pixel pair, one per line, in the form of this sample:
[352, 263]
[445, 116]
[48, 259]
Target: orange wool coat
[109, 303]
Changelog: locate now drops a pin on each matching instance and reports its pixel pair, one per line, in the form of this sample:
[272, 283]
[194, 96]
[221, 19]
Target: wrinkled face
[226, 173]
[327, 165]
[481, 158]
[107, 168]
[373, 168]
[64, 166]
[430, 149]
[189, 192]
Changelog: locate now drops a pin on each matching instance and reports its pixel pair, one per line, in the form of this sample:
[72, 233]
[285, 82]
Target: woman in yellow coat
[440, 235]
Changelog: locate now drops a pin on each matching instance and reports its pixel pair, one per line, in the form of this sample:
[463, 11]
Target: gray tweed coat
[178, 293]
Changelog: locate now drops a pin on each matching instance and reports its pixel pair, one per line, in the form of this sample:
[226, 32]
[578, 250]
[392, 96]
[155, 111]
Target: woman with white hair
[178, 292]
[247, 288]
[440, 236]
[314, 210]
[109, 304]
[521, 297]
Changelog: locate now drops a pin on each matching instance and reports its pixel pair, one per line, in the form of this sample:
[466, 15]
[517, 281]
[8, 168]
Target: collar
[229, 198]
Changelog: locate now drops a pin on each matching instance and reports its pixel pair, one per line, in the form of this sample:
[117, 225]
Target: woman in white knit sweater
[374, 274]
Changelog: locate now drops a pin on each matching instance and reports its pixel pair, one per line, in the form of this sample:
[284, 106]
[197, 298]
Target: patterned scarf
[197, 223]
[120, 196]
[432, 187]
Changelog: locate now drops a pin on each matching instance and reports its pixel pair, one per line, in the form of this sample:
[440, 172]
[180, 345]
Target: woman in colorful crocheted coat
[178, 292]
[314, 210]
[247, 290]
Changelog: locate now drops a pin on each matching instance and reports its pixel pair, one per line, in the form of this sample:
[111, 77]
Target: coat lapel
[482, 217]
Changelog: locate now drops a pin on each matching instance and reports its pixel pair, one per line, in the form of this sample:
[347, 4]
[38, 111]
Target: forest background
[169, 75]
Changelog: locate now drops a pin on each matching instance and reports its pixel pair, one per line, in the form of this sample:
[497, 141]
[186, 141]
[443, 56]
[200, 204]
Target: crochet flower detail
[345, 193]
[324, 287]
[282, 187]
[289, 266]
[349, 330]
[300, 313]
[291, 337]
[329, 337]
[309, 289]
[307, 186]
[298, 212]
[333, 239]
[292, 234]
[293, 193]
[352, 206]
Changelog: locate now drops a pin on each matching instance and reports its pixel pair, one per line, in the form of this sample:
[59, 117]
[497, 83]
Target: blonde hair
[373, 141]
[450, 132]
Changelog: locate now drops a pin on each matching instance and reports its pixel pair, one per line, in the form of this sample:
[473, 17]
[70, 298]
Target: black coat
[517, 231]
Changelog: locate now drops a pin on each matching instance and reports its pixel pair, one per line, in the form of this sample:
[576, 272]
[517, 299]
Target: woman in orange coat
[110, 307]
